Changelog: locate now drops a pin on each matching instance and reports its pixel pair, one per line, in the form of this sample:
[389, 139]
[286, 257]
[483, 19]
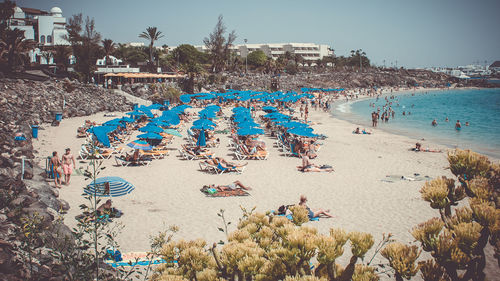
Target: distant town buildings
[467, 71]
[495, 66]
[308, 51]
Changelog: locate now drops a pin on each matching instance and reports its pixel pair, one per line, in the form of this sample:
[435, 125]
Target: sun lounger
[257, 155]
[156, 154]
[120, 161]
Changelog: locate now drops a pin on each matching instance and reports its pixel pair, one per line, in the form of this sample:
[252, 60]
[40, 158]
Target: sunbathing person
[418, 148]
[307, 166]
[361, 132]
[224, 164]
[314, 213]
[231, 186]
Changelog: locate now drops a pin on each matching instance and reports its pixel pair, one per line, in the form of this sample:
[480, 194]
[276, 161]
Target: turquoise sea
[479, 107]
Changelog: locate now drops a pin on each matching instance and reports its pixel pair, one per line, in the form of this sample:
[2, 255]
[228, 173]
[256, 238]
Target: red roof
[33, 11]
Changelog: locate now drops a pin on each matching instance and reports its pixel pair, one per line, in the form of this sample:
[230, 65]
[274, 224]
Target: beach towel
[396, 178]
[135, 259]
[209, 192]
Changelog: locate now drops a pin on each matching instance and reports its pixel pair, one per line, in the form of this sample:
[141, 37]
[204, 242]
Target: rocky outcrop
[23, 103]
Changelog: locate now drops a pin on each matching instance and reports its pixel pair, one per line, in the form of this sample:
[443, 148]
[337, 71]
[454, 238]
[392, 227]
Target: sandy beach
[167, 192]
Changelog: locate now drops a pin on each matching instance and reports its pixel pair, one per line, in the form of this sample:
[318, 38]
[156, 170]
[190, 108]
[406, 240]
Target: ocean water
[481, 108]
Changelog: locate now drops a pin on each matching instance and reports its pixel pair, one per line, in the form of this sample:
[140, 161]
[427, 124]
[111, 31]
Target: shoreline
[434, 141]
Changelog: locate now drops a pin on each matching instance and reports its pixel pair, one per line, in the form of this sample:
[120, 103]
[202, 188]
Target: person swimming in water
[434, 123]
[458, 126]
[446, 120]
[466, 123]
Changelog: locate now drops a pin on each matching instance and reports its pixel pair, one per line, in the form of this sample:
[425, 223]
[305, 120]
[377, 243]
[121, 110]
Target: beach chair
[155, 154]
[290, 151]
[120, 161]
[243, 153]
[207, 167]
[220, 170]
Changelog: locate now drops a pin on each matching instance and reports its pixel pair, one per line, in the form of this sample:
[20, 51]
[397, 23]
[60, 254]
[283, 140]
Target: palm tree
[15, 48]
[109, 46]
[61, 56]
[151, 34]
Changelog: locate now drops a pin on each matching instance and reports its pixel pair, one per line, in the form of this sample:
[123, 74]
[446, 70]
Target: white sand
[167, 191]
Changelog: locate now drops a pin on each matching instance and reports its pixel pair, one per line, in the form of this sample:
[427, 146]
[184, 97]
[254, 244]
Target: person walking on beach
[67, 158]
[306, 112]
[56, 168]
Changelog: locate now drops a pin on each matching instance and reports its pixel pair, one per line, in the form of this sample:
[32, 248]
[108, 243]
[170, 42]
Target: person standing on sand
[306, 112]
[67, 158]
[374, 119]
[56, 168]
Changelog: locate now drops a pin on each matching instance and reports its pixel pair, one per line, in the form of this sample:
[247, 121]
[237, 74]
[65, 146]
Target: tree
[151, 34]
[257, 58]
[131, 55]
[108, 46]
[218, 45]
[84, 40]
[61, 56]
[14, 48]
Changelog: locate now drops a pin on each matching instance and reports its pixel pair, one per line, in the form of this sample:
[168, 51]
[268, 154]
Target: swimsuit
[68, 169]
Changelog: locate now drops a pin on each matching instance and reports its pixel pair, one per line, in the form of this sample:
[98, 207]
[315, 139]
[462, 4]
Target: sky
[411, 33]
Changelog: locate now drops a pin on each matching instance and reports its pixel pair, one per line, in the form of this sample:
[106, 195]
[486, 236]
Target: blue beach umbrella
[202, 127]
[127, 119]
[204, 121]
[269, 109]
[303, 132]
[101, 133]
[140, 144]
[150, 136]
[248, 131]
[155, 106]
[117, 187]
[292, 124]
[201, 139]
[114, 122]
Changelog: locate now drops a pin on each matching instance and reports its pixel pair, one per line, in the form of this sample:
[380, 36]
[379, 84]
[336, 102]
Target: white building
[308, 51]
[134, 44]
[45, 28]
[112, 59]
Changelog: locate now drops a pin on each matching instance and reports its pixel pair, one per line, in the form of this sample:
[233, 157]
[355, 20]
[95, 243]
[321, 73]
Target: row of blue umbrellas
[247, 96]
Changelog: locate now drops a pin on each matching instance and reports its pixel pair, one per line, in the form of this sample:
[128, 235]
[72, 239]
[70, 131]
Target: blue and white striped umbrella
[117, 187]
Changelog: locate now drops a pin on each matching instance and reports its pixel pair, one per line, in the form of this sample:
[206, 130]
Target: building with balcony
[308, 51]
[47, 29]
